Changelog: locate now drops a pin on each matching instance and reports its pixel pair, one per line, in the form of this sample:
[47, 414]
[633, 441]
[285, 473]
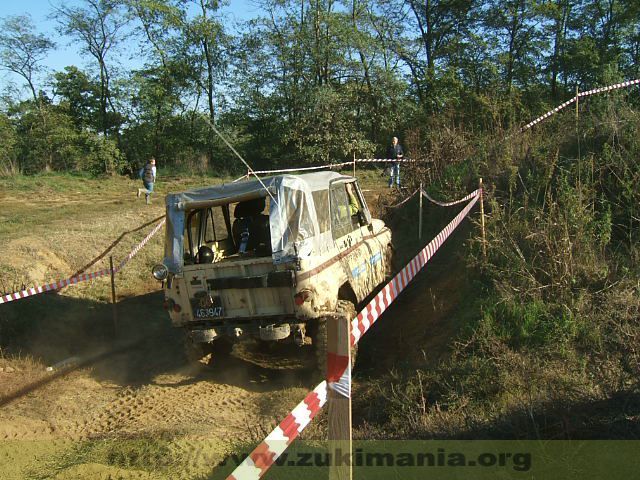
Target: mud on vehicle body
[269, 260]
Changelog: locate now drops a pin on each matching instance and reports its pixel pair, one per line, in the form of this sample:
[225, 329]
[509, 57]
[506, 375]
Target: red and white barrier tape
[628, 83]
[333, 165]
[340, 373]
[263, 456]
[403, 201]
[448, 204]
[138, 247]
[580, 94]
[285, 170]
[258, 462]
[303, 169]
[29, 292]
[387, 160]
[388, 294]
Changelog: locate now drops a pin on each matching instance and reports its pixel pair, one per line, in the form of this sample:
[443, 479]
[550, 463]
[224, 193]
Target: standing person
[148, 176]
[394, 152]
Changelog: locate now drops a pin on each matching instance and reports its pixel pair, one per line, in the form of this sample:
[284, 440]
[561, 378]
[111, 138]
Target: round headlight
[160, 272]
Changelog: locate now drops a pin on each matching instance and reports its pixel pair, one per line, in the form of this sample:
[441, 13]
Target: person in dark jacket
[394, 152]
[148, 176]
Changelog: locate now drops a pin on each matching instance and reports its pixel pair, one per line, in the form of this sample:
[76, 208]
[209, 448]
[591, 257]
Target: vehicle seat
[261, 234]
[250, 228]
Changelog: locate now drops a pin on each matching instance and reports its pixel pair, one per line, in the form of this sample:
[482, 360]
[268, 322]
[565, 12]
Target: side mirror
[362, 219]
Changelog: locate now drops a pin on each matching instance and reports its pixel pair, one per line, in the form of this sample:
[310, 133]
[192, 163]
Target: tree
[441, 24]
[209, 43]
[22, 50]
[516, 25]
[80, 96]
[99, 26]
[559, 14]
[610, 28]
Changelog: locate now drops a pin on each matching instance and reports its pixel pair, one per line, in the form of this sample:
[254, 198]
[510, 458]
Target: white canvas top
[292, 216]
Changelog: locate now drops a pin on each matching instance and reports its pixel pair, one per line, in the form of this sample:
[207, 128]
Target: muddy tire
[344, 308]
[348, 309]
[388, 263]
[205, 352]
[194, 352]
[320, 345]
[221, 347]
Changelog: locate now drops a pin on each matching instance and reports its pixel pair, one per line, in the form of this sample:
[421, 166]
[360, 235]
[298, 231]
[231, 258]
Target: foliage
[22, 50]
[307, 82]
[8, 141]
[47, 139]
[552, 320]
[326, 129]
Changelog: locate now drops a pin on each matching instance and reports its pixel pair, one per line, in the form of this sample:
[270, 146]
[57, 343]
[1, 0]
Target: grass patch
[151, 454]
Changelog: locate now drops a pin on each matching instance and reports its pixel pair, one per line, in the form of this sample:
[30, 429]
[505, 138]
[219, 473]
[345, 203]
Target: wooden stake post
[113, 298]
[339, 406]
[420, 214]
[484, 236]
[354, 164]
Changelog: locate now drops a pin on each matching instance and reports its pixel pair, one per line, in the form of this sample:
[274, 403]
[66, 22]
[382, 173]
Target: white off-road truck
[269, 260]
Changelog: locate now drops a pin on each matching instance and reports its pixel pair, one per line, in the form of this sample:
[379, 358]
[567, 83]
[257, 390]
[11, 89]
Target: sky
[68, 52]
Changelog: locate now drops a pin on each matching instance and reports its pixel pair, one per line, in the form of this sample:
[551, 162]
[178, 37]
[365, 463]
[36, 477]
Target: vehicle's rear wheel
[194, 352]
[344, 309]
[221, 347]
[204, 352]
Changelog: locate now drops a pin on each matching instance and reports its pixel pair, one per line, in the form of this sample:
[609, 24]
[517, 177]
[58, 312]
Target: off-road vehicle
[269, 259]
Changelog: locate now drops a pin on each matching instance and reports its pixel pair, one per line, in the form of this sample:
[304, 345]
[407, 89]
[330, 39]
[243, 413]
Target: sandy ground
[147, 391]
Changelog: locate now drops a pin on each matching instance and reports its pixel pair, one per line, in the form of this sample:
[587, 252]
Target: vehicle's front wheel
[388, 263]
[344, 309]
[319, 339]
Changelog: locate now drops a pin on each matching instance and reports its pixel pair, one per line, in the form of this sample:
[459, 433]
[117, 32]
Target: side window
[299, 224]
[321, 202]
[341, 223]
[356, 207]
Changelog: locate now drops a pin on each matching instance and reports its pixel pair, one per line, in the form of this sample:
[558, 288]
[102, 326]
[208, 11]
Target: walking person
[148, 176]
[394, 152]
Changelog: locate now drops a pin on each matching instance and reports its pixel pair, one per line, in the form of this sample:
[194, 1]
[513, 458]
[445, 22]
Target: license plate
[207, 306]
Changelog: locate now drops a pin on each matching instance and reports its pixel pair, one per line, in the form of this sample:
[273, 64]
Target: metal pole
[113, 297]
[578, 143]
[484, 236]
[420, 214]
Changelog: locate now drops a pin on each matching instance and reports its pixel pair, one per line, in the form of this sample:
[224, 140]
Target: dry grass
[53, 226]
